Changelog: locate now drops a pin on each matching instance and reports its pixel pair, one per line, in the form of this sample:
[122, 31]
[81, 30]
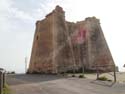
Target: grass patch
[6, 90]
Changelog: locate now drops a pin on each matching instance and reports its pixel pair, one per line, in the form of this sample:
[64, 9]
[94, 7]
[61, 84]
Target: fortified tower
[61, 46]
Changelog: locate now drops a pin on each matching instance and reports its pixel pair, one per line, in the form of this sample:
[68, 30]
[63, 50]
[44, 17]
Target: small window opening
[37, 38]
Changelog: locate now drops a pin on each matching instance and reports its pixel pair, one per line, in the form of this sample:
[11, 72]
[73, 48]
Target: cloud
[16, 13]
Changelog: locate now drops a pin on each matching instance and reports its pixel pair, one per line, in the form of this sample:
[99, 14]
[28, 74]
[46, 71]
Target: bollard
[97, 70]
[1, 82]
[114, 73]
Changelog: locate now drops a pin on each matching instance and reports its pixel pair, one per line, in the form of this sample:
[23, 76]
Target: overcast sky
[17, 26]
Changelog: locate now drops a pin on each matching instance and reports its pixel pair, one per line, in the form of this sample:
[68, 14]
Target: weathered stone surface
[61, 46]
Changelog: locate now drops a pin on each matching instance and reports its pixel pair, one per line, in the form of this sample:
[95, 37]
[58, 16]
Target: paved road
[51, 84]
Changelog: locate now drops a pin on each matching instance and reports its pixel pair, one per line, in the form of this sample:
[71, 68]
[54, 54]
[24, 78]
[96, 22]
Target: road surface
[52, 84]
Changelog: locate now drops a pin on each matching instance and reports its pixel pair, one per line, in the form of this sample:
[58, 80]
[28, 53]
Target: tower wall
[61, 46]
[42, 47]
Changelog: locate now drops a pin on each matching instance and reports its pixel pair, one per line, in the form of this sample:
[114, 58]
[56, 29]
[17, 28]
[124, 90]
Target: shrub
[13, 72]
[27, 72]
[103, 78]
[73, 75]
[81, 76]
[109, 80]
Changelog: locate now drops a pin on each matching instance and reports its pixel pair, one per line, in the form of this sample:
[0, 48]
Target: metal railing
[2, 80]
[112, 72]
[105, 66]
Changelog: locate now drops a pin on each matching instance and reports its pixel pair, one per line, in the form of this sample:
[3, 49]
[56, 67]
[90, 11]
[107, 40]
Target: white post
[25, 64]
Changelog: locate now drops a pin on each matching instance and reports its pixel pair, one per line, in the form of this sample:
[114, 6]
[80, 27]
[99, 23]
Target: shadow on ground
[18, 79]
[103, 83]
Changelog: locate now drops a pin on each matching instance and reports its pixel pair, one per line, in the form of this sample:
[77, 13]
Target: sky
[18, 18]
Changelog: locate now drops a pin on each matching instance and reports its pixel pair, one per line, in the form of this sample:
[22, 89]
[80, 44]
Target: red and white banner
[79, 36]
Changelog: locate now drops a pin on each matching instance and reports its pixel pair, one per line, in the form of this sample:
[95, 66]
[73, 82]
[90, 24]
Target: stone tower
[61, 46]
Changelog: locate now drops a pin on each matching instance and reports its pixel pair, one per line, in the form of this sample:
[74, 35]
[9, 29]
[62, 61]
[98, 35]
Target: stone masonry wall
[61, 46]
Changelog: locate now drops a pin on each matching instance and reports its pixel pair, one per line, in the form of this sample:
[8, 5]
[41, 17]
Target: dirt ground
[53, 84]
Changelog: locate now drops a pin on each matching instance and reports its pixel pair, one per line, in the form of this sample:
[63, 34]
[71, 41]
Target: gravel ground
[52, 84]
